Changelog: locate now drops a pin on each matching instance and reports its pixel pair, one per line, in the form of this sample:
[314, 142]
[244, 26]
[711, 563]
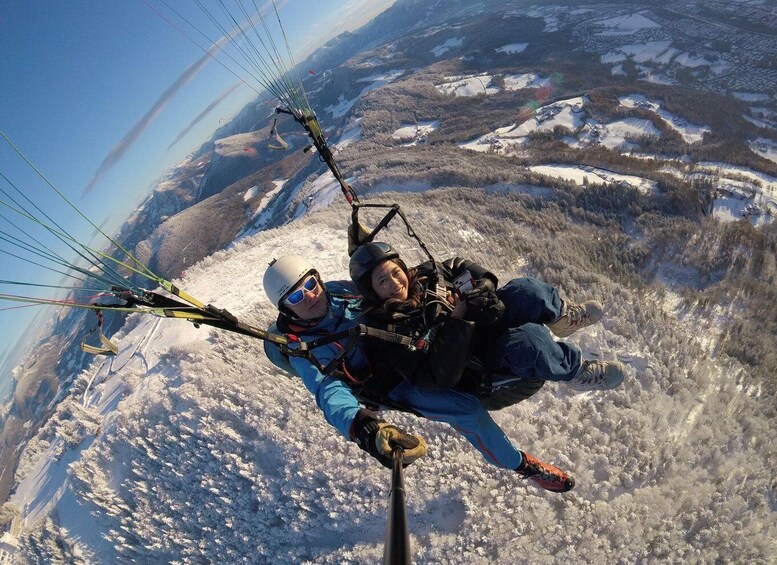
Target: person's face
[389, 281]
[309, 297]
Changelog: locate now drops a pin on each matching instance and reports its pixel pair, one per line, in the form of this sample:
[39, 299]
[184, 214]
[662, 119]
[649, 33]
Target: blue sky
[94, 92]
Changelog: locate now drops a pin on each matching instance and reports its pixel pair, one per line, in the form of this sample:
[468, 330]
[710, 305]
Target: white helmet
[283, 274]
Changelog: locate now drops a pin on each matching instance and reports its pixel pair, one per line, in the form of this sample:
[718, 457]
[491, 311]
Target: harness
[339, 366]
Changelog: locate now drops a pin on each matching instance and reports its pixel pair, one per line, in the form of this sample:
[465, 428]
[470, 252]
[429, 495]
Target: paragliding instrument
[396, 550]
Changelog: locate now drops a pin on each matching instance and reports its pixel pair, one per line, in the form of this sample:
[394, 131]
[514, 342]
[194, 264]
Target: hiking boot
[576, 316]
[598, 375]
[544, 474]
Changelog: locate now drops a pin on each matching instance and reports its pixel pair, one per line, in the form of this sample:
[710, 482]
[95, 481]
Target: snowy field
[468, 85]
[761, 123]
[767, 184]
[481, 84]
[565, 113]
[660, 52]
[691, 133]
[344, 105]
[752, 96]
[512, 48]
[581, 175]
[415, 134]
[626, 25]
[570, 115]
[443, 48]
[189, 447]
[352, 133]
[766, 148]
[730, 209]
[616, 134]
[261, 215]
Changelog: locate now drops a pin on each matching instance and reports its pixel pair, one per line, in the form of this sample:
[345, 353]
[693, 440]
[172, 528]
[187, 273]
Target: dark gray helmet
[366, 258]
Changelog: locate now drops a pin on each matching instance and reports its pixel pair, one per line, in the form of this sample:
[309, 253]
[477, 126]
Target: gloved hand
[379, 439]
[357, 234]
[483, 305]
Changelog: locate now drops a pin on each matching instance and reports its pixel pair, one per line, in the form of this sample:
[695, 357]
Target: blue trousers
[526, 349]
[466, 414]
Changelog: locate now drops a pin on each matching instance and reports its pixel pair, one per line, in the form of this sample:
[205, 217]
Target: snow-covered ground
[766, 148]
[570, 115]
[512, 48]
[583, 174]
[193, 448]
[451, 43]
[263, 211]
[763, 183]
[616, 134]
[660, 54]
[691, 133]
[482, 84]
[731, 209]
[468, 85]
[344, 105]
[318, 194]
[525, 80]
[415, 134]
[251, 193]
[739, 192]
[626, 25]
[752, 96]
[278, 185]
[351, 134]
[761, 123]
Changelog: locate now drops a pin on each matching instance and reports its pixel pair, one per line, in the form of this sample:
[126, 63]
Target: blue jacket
[333, 396]
[340, 405]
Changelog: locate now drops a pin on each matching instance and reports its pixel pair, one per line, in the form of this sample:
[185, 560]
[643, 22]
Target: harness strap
[394, 209]
[108, 347]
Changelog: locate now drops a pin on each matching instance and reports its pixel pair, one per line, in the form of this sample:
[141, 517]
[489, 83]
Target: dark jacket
[443, 357]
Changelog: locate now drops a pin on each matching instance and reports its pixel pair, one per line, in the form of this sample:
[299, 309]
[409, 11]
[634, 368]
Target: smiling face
[389, 281]
[313, 305]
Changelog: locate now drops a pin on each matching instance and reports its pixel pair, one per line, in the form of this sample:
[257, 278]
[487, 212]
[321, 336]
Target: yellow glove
[379, 439]
[389, 437]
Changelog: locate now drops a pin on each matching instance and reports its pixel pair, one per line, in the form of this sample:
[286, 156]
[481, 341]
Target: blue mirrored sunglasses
[299, 295]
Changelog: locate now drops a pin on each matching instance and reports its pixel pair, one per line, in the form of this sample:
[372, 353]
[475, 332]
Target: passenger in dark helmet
[468, 329]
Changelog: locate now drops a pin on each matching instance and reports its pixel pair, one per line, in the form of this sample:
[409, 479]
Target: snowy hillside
[190, 447]
[573, 144]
